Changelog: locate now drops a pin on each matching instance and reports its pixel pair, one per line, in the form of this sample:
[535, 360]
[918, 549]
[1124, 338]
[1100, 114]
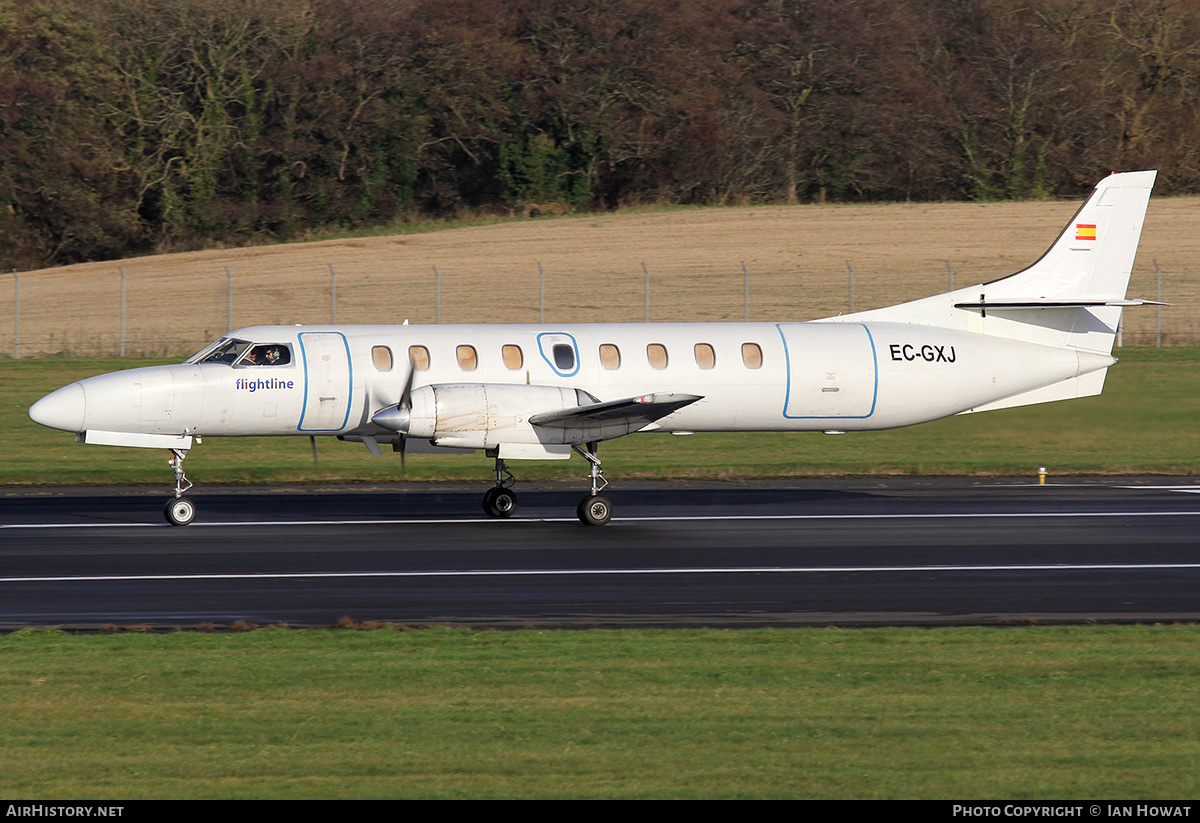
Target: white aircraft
[540, 392]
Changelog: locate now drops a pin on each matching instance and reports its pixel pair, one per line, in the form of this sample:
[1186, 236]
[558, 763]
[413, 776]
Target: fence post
[17, 326]
[646, 272]
[850, 269]
[332, 295]
[437, 295]
[1158, 309]
[745, 293]
[122, 311]
[542, 293]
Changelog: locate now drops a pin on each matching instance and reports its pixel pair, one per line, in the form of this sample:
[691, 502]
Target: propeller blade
[406, 395]
[313, 441]
[396, 417]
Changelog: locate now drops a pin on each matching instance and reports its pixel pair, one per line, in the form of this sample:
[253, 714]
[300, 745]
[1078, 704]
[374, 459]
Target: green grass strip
[1018, 713]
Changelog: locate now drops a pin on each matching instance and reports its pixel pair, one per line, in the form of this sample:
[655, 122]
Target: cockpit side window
[267, 354]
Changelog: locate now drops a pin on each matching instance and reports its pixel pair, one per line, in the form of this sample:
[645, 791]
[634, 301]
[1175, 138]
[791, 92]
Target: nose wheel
[179, 510]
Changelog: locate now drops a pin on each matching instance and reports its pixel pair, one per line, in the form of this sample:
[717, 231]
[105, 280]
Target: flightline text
[254, 385]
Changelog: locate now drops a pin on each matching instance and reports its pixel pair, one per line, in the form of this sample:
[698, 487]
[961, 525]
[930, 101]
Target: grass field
[1143, 423]
[1020, 713]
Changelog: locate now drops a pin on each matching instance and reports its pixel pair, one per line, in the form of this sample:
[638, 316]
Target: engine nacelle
[484, 415]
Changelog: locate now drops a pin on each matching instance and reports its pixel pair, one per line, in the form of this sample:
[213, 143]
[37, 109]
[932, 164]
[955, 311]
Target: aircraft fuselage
[816, 376]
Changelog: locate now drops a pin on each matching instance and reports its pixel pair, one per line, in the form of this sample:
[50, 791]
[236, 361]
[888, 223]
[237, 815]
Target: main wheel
[180, 511]
[499, 502]
[594, 510]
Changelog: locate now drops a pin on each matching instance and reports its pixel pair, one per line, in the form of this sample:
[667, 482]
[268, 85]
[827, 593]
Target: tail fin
[1071, 297]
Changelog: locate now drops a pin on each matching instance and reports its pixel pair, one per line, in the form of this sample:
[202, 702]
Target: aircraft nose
[62, 409]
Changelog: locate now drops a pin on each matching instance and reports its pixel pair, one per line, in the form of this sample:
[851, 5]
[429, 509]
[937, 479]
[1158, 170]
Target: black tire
[180, 511]
[594, 510]
[499, 502]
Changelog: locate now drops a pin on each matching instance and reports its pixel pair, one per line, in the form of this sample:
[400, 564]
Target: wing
[615, 418]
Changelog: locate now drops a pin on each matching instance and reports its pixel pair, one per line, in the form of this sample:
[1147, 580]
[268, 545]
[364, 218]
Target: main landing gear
[179, 511]
[501, 500]
[593, 510]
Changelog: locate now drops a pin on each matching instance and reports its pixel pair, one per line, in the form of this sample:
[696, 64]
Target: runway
[815, 552]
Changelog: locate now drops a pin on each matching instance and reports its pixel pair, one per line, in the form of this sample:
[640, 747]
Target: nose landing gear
[179, 510]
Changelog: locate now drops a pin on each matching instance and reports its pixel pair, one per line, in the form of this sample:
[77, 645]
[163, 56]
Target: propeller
[397, 417]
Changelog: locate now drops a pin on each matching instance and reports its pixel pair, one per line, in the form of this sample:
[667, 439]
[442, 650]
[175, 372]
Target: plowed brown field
[796, 258]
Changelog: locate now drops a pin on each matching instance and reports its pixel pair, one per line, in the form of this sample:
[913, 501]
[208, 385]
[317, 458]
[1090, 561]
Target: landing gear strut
[595, 509]
[179, 511]
[501, 500]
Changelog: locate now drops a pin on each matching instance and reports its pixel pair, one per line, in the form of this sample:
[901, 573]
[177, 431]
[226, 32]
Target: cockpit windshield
[223, 351]
[243, 353]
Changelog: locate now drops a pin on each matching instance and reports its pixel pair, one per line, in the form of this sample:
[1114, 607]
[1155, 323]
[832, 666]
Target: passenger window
[419, 355]
[752, 355]
[610, 357]
[656, 353]
[381, 356]
[467, 359]
[706, 358]
[564, 357]
[513, 358]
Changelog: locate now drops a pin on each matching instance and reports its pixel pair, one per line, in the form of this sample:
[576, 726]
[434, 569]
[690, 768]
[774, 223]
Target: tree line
[129, 126]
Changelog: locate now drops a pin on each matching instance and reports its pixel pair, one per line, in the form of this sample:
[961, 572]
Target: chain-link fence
[138, 308]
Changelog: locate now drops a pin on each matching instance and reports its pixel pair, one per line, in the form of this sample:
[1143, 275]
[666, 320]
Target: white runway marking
[615, 520]
[595, 572]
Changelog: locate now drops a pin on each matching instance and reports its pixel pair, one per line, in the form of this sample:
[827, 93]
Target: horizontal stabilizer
[631, 413]
[1011, 305]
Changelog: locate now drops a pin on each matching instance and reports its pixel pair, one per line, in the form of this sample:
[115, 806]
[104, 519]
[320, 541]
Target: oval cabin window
[468, 360]
[419, 355]
[513, 358]
[564, 357]
[706, 358]
[752, 355]
[656, 353]
[610, 357]
[381, 356]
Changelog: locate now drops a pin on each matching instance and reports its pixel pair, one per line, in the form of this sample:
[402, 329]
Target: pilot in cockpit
[270, 355]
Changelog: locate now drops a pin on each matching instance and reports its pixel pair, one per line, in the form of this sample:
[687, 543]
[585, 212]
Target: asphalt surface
[816, 552]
